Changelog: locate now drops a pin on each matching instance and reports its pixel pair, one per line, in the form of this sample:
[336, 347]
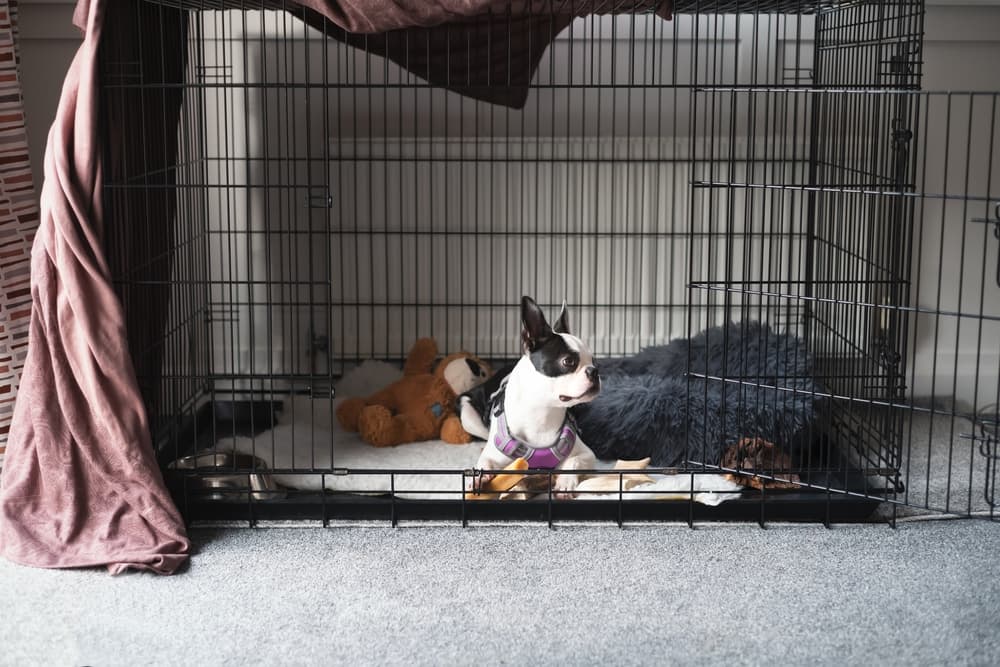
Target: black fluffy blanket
[650, 406]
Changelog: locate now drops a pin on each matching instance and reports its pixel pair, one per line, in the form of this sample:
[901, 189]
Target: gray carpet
[925, 593]
[942, 470]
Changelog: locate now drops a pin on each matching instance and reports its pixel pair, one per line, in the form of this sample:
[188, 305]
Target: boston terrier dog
[527, 404]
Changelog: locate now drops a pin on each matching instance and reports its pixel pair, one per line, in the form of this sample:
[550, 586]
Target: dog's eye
[569, 362]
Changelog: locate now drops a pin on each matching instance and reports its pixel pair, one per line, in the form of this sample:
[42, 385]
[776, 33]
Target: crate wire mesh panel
[291, 203]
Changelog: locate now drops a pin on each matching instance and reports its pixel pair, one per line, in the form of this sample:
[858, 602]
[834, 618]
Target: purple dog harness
[537, 457]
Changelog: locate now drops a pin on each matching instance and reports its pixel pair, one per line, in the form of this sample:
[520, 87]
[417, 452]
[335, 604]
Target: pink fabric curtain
[18, 220]
[81, 485]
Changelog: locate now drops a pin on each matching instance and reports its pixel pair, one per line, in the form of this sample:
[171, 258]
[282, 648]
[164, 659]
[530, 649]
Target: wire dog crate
[286, 200]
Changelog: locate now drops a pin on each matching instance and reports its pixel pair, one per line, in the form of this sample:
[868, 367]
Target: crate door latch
[995, 221]
[986, 434]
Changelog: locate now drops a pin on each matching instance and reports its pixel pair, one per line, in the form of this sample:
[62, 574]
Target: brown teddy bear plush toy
[421, 405]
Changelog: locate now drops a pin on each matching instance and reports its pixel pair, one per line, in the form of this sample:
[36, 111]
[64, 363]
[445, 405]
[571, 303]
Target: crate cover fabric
[431, 39]
[81, 485]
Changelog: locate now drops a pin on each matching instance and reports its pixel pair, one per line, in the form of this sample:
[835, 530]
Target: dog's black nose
[591, 372]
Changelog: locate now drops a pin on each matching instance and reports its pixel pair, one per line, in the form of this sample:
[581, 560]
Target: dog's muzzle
[592, 391]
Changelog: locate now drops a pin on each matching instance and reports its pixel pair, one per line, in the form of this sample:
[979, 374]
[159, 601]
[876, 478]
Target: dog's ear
[562, 324]
[534, 329]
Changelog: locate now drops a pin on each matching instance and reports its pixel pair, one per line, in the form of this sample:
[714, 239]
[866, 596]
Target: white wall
[958, 259]
[48, 42]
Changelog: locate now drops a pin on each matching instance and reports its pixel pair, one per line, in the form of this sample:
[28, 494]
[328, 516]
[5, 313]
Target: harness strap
[537, 457]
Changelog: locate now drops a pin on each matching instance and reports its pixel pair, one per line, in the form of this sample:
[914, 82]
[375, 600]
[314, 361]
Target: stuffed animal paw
[378, 426]
[349, 412]
[453, 433]
[421, 357]
[375, 424]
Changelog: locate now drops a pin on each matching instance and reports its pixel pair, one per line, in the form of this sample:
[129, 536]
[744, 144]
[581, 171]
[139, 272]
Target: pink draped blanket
[81, 485]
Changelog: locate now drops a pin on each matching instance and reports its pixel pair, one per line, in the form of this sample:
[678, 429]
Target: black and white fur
[556, 371]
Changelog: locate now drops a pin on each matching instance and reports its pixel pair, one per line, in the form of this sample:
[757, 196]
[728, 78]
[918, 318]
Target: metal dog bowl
[229, 483]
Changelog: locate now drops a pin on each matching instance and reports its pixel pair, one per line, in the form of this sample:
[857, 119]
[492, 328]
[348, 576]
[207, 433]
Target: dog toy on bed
[501, 482]
[513, 485]
[420, 405]
[611, 483]
[756, 455]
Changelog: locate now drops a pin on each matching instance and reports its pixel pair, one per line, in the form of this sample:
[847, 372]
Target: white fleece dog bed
[306, 439]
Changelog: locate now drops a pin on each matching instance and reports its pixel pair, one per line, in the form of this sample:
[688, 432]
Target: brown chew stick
[501, 482]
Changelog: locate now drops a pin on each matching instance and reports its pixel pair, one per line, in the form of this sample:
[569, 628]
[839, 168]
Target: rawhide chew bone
[502, 482]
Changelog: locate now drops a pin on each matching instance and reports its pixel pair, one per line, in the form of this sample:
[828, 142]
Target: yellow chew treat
[502, 482]
[632, 465]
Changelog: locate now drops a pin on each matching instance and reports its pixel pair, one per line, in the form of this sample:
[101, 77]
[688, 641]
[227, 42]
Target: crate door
[952, 370]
